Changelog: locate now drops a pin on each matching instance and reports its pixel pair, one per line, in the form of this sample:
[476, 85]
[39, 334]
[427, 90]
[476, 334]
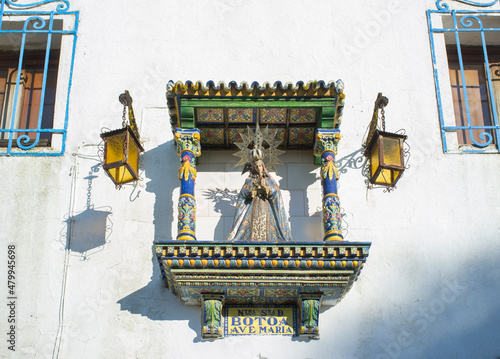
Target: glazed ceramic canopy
[221, 111]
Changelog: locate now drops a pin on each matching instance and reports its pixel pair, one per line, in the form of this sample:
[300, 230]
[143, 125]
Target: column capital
[188, 140]
[326, 140]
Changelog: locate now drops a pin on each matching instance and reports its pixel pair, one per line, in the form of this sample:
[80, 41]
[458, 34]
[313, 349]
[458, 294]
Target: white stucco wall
[430, 286]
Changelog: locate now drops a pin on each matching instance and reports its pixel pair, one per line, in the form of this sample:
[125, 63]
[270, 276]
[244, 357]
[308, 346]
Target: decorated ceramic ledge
[260, 273]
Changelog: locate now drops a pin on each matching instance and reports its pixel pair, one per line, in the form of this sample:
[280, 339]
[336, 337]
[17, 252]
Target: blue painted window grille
[465, 49]
[37, 50]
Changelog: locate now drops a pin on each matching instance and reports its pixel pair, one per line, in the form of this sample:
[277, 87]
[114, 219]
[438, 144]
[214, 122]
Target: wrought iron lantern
[385, 150]
[122, 147]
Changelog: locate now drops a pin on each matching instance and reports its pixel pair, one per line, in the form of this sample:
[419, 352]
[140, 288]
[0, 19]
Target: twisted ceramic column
[325, 148]
[188, 148]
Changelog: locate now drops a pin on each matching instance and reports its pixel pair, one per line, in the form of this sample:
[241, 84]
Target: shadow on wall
[160, 167]
[156, 302]
[354, 160]
[86, 232]
[89, 231]
[224, 202]
[456, 315]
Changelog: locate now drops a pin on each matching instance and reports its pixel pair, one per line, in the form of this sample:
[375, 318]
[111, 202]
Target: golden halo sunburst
[264, 140]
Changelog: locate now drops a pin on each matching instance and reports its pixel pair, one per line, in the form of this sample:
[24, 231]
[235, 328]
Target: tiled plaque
[279, 320]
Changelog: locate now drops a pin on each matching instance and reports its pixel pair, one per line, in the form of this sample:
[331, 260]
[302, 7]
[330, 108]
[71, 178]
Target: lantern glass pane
[385, 177]
[121, 174]
[114, 148]
[392, 151]
[374, 161]
[133, 154]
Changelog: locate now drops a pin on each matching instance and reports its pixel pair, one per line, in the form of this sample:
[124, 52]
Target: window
[478, 102]
[466, 57]
[23, 111]
[36, 62]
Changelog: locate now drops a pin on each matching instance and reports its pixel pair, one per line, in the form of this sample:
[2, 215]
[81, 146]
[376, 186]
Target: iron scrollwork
[62, 6]
[441, 5]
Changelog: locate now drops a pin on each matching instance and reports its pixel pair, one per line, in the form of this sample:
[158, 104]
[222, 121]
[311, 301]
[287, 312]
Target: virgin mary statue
[260, 214]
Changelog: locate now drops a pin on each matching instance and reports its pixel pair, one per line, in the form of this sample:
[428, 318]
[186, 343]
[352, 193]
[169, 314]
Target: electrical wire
[67, 254]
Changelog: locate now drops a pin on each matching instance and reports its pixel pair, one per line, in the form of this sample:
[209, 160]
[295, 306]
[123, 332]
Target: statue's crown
[256, 154]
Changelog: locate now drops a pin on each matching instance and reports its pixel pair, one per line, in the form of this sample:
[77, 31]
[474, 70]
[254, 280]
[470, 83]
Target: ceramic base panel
[261, 274]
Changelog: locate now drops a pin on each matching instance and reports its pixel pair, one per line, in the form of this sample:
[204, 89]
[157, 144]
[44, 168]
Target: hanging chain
[125, 100]
[381, 102]
[382, 111]
[124, 116]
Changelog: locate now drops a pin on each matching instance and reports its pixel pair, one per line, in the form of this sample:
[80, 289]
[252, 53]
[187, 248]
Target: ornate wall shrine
[257, 280]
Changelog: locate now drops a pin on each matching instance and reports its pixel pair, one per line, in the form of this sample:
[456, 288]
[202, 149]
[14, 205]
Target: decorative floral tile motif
[273, 115]
[210, 115]
[301, 136]
[302, 115]
[243, 292]
[240, 115]
[212, 136]
[280, 292]
[234, 134]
